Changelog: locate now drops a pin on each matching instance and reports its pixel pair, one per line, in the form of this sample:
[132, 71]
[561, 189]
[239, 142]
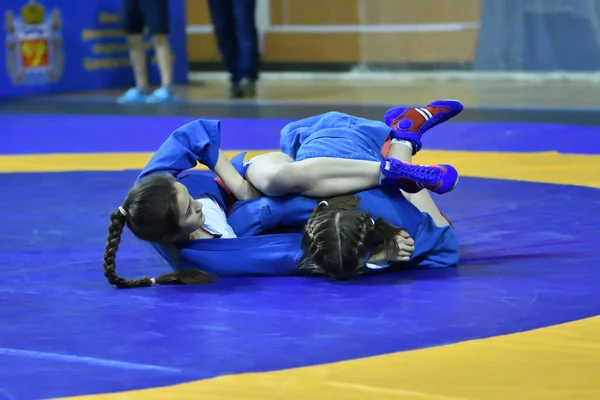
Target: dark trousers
[235, 28]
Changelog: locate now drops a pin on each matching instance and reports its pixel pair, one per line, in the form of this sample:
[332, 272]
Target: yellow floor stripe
[558, 362]
[549, 167]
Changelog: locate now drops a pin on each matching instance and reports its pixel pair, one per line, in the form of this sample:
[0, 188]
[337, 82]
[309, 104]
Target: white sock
[385, 168]
[404, 142]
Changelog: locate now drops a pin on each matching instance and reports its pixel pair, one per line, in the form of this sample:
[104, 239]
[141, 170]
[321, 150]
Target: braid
[180, 276]
[365, 229]
[312, 223]
[115, 229]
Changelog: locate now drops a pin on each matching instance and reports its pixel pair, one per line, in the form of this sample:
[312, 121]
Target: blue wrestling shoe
[411, 123]
[413, 178]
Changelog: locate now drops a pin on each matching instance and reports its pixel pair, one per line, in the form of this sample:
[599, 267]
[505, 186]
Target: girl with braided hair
[172, 208]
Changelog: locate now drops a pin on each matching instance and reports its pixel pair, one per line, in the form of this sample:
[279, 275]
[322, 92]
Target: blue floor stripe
[39, 134]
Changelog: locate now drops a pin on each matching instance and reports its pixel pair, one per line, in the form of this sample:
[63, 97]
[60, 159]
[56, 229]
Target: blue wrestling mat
[530, 256]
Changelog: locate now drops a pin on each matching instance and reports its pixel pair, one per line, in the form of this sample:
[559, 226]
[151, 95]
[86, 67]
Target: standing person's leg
[132, 21]
[223, 20]
[247, 36]
[156, 14]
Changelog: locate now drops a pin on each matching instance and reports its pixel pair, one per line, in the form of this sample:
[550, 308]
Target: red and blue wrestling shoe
[413, 178]
[411, 123]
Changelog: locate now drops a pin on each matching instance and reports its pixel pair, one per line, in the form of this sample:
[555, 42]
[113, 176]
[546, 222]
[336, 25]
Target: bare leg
[164, 59]
[422, 200]
[275, 174]
[137, 55]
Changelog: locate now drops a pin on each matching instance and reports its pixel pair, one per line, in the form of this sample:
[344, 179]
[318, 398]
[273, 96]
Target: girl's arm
[198, 142]
[241, 188]
[268, 255]
[192, 143]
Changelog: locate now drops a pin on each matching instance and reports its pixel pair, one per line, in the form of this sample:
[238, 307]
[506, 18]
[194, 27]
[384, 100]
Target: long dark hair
[150, 211]
[338, 238]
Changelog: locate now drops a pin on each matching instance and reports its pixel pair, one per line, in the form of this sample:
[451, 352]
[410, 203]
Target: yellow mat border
[546, 167]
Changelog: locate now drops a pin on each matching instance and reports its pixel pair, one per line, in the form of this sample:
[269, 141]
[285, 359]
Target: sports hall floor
[518, 319]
